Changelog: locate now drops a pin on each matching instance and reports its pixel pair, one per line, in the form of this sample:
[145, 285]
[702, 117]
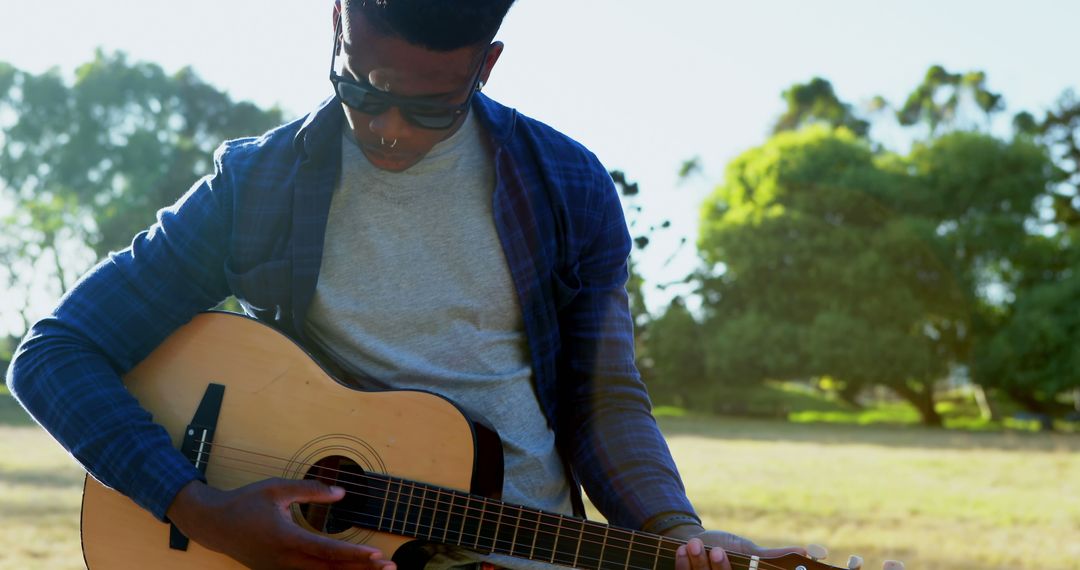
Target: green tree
[816, 102]
[1060, 132]
[88, 162]
[676, 348]
[642, 235]
[981, 193]
[1032, 351]
[1025, 347]
[816, 273]
[938, 100]
[826, 255]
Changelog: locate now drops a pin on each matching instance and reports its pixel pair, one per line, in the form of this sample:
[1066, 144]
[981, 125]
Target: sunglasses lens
[431, 118]
[368, 101]
[360, 99]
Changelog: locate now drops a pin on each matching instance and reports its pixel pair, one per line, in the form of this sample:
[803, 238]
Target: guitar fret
[577, 550]
[498, 527]
[555, 544]
[568, 541]
[545, 537]
[473, 522]
[408, 507]
[449, 517]
[431, 507]
[407, 503]
[644, 551]
[590, 551]
[614, 545]
[464, 517]
[394, 510]
[603, 547]
[480, 526]
[517, 527]
[656, 559]
[420, 513]
[489, 526]
[536, 532]
[435, 512]
[382, 513]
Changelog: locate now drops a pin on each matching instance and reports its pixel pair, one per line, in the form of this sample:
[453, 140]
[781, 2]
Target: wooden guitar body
[246, 403]
[280, 414]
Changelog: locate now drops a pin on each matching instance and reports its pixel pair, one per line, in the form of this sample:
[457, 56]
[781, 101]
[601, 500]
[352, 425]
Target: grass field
[935, 499]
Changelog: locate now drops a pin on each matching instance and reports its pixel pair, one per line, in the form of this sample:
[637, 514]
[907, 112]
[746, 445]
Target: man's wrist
[684, 531]
[661, 524]
[186, 503]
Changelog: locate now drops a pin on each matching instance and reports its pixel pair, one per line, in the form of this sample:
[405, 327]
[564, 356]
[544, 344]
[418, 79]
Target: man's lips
[382, 154]
[383, 157]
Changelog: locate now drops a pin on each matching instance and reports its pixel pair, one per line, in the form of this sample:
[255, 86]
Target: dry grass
[937, 500]
[40, 491]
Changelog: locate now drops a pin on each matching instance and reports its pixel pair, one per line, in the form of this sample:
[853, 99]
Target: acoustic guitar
[245, 403]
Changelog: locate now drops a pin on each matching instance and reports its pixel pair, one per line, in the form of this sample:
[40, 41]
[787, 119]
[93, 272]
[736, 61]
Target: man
[418, 234]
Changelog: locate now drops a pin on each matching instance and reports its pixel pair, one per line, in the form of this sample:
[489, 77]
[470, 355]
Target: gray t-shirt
[414, 292]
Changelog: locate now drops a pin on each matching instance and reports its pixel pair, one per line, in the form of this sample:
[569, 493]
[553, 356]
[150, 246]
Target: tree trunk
[922, 397]
[1040, 410]
[850, 395]
[986, 411]
[1028, 401]
[60, 274]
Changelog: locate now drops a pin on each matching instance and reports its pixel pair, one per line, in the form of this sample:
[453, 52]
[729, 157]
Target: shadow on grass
[908, 436]
[48, 478]
[34, 513]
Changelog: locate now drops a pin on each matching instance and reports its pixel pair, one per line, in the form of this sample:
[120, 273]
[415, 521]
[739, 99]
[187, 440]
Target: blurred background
[855, 277]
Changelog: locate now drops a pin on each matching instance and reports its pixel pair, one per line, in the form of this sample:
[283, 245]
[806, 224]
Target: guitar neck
[446, 516]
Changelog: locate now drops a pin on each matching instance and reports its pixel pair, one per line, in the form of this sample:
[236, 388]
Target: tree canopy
[88, 161]
[826, 255]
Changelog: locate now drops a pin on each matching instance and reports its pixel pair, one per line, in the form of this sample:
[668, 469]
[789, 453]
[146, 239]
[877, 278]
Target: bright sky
[644, 84]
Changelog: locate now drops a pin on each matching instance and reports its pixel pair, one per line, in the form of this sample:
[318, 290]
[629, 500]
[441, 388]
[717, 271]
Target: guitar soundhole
[345, 514]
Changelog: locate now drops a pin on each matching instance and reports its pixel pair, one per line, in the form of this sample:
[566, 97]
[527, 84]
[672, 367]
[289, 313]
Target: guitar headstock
[813, 561]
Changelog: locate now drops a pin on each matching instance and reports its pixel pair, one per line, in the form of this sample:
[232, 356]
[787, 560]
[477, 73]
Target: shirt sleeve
[616, 447]
[67, 370]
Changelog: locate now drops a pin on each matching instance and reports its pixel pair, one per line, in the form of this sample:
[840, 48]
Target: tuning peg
[854, 563]
[892, 565]
[817, 551]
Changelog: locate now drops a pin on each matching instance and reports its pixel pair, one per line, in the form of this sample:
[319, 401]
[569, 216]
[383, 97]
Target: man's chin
[390, 162]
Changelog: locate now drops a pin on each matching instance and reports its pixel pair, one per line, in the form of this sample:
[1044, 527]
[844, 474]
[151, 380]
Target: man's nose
[390, 124]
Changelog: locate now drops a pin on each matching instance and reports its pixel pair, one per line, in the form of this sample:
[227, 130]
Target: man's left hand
[694, 555]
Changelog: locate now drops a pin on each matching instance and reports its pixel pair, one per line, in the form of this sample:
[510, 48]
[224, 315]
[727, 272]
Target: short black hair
[439, 25]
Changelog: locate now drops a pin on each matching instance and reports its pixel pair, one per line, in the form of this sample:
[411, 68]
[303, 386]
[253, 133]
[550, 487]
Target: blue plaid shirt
[255, 229]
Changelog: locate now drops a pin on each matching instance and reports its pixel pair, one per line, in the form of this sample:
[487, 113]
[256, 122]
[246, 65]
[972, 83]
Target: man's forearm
[627, 469]
[76, 395]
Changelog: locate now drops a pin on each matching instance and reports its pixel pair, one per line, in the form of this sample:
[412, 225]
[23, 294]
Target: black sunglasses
[365, 98]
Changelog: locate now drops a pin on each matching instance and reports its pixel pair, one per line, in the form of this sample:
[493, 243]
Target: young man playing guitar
[419, 235]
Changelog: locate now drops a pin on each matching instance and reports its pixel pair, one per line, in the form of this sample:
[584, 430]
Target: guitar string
[628, 535]
[666, 555]
[483, 510]
[383, 483]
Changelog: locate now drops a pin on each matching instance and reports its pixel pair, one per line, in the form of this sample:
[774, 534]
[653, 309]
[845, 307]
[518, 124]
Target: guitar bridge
[198, 438]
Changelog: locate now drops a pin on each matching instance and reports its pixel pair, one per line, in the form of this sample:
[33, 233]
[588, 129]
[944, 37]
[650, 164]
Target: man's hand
[693, 556]
[253, 525]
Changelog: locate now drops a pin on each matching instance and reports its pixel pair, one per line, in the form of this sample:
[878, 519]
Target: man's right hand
[254, 526]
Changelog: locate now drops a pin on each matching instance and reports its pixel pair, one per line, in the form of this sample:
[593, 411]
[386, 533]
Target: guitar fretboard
[447, 516]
